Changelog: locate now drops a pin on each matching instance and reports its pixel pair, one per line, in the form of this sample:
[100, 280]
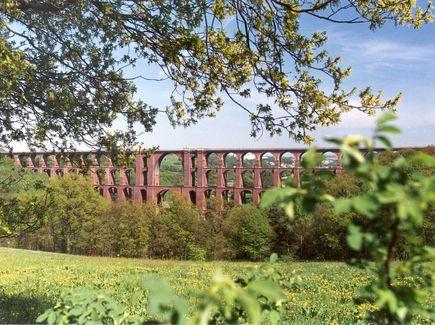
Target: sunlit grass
[32, 281]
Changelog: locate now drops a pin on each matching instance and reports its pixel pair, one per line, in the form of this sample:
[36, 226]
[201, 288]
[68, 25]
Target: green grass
[31, 282]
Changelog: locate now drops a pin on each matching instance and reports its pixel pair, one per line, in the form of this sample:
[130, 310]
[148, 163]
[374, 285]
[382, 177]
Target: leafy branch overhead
[64, 64]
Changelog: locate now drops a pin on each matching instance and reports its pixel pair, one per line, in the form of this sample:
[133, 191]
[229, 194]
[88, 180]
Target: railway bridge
[220, 173]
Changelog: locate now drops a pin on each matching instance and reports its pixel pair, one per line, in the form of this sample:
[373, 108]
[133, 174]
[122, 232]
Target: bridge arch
[248, 179]
[287, 159]
[230, 160]
[268, 160]
[230, 178]
[246, 196]
[248, 160]
[266, 177]
[212, 160]
[329, 160]
[170, 170]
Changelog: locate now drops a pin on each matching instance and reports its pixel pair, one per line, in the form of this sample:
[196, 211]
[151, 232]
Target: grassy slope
[31, 281]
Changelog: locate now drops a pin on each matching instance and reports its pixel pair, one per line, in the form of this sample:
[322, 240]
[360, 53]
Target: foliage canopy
[63, 64]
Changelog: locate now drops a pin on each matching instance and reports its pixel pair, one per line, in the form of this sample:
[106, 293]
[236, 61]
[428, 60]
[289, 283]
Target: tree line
[66, 214]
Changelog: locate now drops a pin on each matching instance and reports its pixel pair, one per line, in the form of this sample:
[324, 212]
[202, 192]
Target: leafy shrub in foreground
[394, 206]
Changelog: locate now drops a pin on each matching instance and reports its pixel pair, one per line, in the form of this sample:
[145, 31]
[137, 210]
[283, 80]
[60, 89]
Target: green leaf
[51, 318]
[277, 195]
[402, 312]
[354, 237]
[324, 174]
[386, 117]
[387, 297]
[312, 158]
[385, 141]
[41, 318]
[266, 288]
[353, 153]
[289, 209]
[389, 129]
[365, 204]
[425, 159]
[342, 205]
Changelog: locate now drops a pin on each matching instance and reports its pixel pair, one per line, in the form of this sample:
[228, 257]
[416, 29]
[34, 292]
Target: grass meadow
[31, 282]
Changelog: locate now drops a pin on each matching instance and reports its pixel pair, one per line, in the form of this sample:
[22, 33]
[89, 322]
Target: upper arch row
[268, 158]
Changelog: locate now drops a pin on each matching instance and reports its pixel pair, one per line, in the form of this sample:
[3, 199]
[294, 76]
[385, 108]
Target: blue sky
[392, 59]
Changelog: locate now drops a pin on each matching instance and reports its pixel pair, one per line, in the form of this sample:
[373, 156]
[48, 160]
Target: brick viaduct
[141, 180]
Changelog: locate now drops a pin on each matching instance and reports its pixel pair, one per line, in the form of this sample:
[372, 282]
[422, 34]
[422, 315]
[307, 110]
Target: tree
[177, 231]
[127, 229]
[23, 199]
[63, 63]
[74, 217]
[248, 231]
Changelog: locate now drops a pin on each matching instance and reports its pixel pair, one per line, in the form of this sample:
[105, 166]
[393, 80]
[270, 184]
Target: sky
[393, 59]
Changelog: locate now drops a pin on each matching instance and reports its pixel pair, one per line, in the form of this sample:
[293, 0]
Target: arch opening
[230, 160]
[268, 160]
[104, 161]
[115, 176]
[230, 178]
[248, 179]
[113, 192]
[246, 197]
[170, 170]
[266, 179]
[248, 160]
[228, 196]
[101, 175]
[210, 194]
[128, 193]
[286, 177]
[212, 160]
[164, 196]
[130, 175]
[192, 196]
[143, 195]
[329, 160]
[212, 178]
[287, 160]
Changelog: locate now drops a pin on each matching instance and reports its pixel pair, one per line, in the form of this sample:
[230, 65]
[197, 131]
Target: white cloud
[390, 51]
